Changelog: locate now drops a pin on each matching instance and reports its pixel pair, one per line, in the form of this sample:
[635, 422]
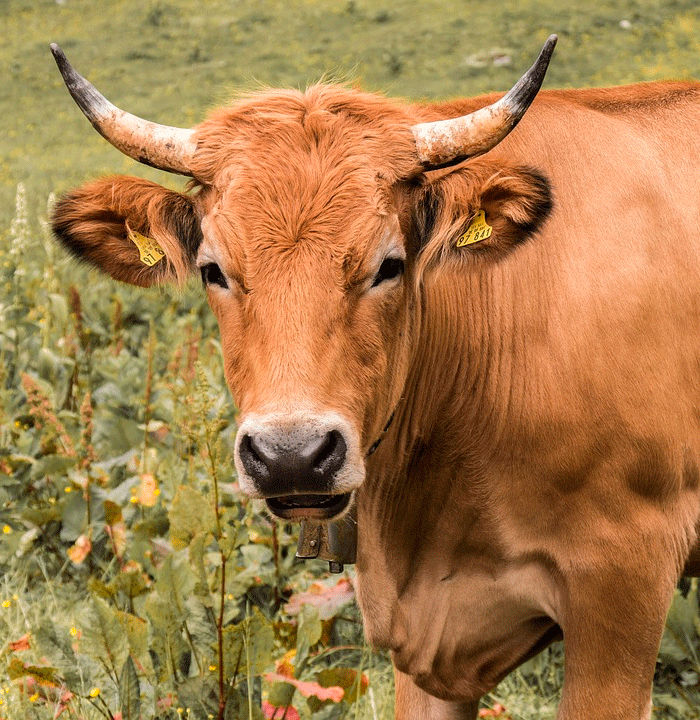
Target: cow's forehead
[299, 179]
[344, 128]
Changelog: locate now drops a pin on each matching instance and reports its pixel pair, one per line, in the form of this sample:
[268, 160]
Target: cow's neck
[423, 504]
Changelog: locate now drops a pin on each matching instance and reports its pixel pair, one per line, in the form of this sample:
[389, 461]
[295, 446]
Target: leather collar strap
[375, 444]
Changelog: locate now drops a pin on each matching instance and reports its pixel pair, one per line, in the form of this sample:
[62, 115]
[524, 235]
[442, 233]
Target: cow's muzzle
[305, 468]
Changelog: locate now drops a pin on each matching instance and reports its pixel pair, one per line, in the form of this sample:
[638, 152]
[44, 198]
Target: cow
[481, 341]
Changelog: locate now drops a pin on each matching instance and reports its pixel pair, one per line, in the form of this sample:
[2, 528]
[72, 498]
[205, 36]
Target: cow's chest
[458, 634]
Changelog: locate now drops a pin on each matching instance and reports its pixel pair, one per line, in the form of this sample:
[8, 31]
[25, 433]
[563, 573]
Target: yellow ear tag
[477, 231]
[150, 251]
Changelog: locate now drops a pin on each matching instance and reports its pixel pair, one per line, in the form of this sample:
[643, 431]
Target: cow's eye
[391, 268]
[212, 275]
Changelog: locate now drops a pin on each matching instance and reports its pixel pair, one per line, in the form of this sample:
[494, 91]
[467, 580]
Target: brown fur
[540, 473]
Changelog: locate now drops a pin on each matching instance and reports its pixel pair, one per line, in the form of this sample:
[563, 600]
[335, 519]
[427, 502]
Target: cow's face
[310, 217]
[308, 272]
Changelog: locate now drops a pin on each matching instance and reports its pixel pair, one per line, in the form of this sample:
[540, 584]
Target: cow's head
[308, 218]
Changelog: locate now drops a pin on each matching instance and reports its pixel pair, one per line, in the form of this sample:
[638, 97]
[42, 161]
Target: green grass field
[135, 581]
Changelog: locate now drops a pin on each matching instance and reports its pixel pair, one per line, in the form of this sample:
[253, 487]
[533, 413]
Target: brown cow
[516, 334]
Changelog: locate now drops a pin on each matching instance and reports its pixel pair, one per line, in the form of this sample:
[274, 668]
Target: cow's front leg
[612, 624]
[412, 703]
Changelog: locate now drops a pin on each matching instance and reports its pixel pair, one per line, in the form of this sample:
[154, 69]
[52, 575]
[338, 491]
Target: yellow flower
[74, 631]
[6, 529]
[94, 692]
[6, 603]
[34, 697]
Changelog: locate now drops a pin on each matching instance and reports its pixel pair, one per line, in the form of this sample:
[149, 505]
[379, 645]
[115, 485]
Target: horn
[161, 146]
[447, 142]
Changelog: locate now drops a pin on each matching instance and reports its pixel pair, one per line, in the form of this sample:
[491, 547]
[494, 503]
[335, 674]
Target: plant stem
[220, 636]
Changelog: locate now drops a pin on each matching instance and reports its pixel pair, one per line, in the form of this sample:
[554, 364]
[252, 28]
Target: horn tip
[549, 46]
[61, 60]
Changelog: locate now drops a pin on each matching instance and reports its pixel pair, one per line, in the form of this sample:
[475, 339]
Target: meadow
[135, 580]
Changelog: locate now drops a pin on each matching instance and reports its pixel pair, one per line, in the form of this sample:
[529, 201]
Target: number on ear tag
[150, 251]
[477, 231]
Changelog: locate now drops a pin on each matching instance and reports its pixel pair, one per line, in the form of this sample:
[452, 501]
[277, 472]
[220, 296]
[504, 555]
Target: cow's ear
[479, 213]
[132, 229]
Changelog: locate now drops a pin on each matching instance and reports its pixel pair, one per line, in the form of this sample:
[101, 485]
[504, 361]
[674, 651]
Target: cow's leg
[612, 626]
[412, 703]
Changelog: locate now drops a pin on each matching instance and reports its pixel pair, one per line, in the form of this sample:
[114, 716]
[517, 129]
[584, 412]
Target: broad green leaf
[196, 550]
[200, 696]
[201, 626]
[309, 632]
[54, 643]
[129, 692]
[166, 638]
[52, 465]
[176, 581]
[74, 517]
[104, 637]
[191, 513]
[42, 516]
[248, 646]
[136, 630]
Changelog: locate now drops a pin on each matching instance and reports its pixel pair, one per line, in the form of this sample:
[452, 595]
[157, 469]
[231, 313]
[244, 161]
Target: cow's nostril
[255, 460]
[330, 456]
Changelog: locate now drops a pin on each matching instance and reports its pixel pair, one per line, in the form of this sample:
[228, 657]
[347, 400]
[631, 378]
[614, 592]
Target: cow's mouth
[308, 507]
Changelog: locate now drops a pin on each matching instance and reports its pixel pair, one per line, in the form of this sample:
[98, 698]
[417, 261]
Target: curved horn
[447, 142]
[161, 146]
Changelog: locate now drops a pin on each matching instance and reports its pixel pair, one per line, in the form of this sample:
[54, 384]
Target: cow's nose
[280, 468]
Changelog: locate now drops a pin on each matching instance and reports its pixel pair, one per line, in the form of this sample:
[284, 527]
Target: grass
[113, 413]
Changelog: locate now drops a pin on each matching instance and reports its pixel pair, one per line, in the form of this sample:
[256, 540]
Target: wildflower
[6, 529]
[94, 692]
